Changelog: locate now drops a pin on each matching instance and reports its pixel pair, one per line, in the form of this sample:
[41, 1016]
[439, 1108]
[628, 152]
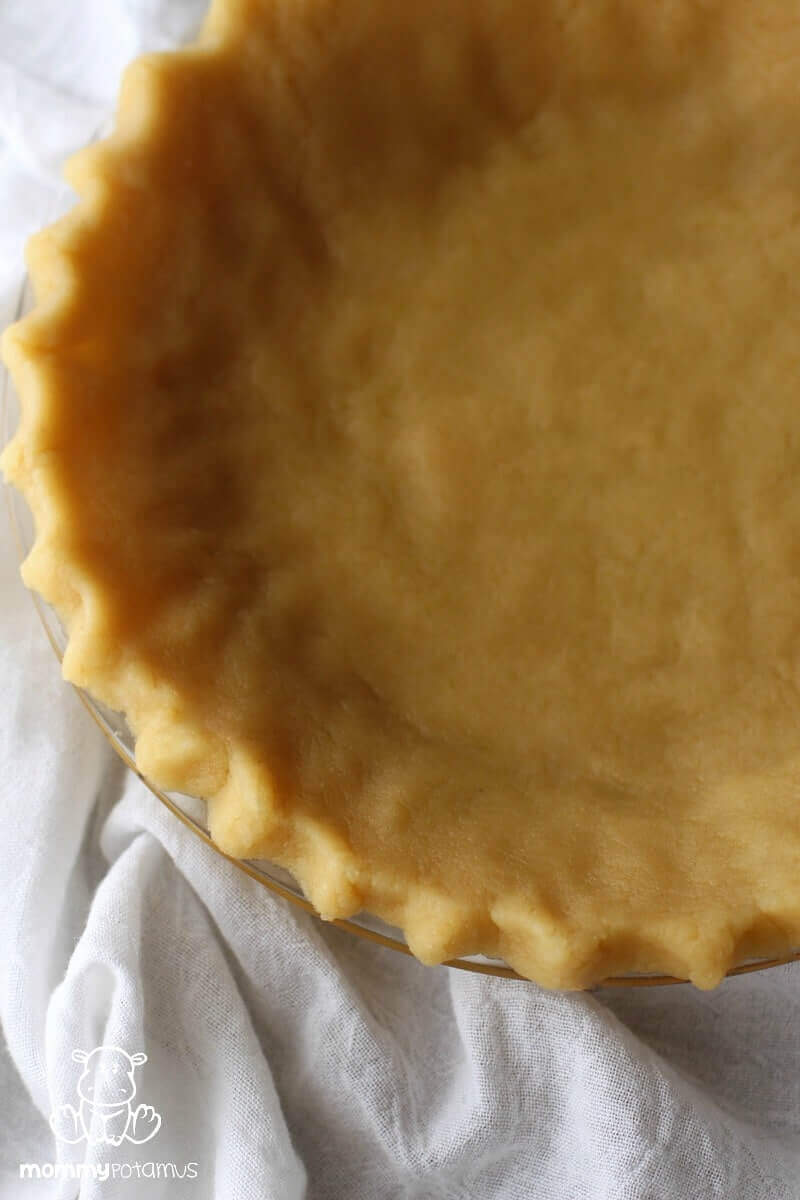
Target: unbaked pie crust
[411, 421]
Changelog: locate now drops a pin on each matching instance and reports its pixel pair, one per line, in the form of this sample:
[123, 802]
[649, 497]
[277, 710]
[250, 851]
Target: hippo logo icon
[106, 1113]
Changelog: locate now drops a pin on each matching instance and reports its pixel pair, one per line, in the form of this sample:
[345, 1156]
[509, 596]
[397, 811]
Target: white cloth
[287, 1059]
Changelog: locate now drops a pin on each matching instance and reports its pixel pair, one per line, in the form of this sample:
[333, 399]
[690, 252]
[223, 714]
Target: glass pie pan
[191, 811]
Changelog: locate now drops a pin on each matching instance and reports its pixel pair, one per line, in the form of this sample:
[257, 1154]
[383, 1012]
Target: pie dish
[437, 522]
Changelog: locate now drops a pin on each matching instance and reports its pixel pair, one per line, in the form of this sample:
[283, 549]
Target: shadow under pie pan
[191, 811]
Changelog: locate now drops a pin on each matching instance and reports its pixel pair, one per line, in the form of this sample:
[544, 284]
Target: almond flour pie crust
[411, 421]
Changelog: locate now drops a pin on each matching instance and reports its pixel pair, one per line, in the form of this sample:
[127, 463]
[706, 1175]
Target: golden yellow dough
[412, 426]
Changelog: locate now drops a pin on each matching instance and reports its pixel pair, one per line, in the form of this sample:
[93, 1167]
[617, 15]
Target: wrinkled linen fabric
[287, 1059]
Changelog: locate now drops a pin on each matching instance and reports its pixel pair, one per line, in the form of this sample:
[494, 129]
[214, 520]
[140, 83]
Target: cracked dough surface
[411, 424]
